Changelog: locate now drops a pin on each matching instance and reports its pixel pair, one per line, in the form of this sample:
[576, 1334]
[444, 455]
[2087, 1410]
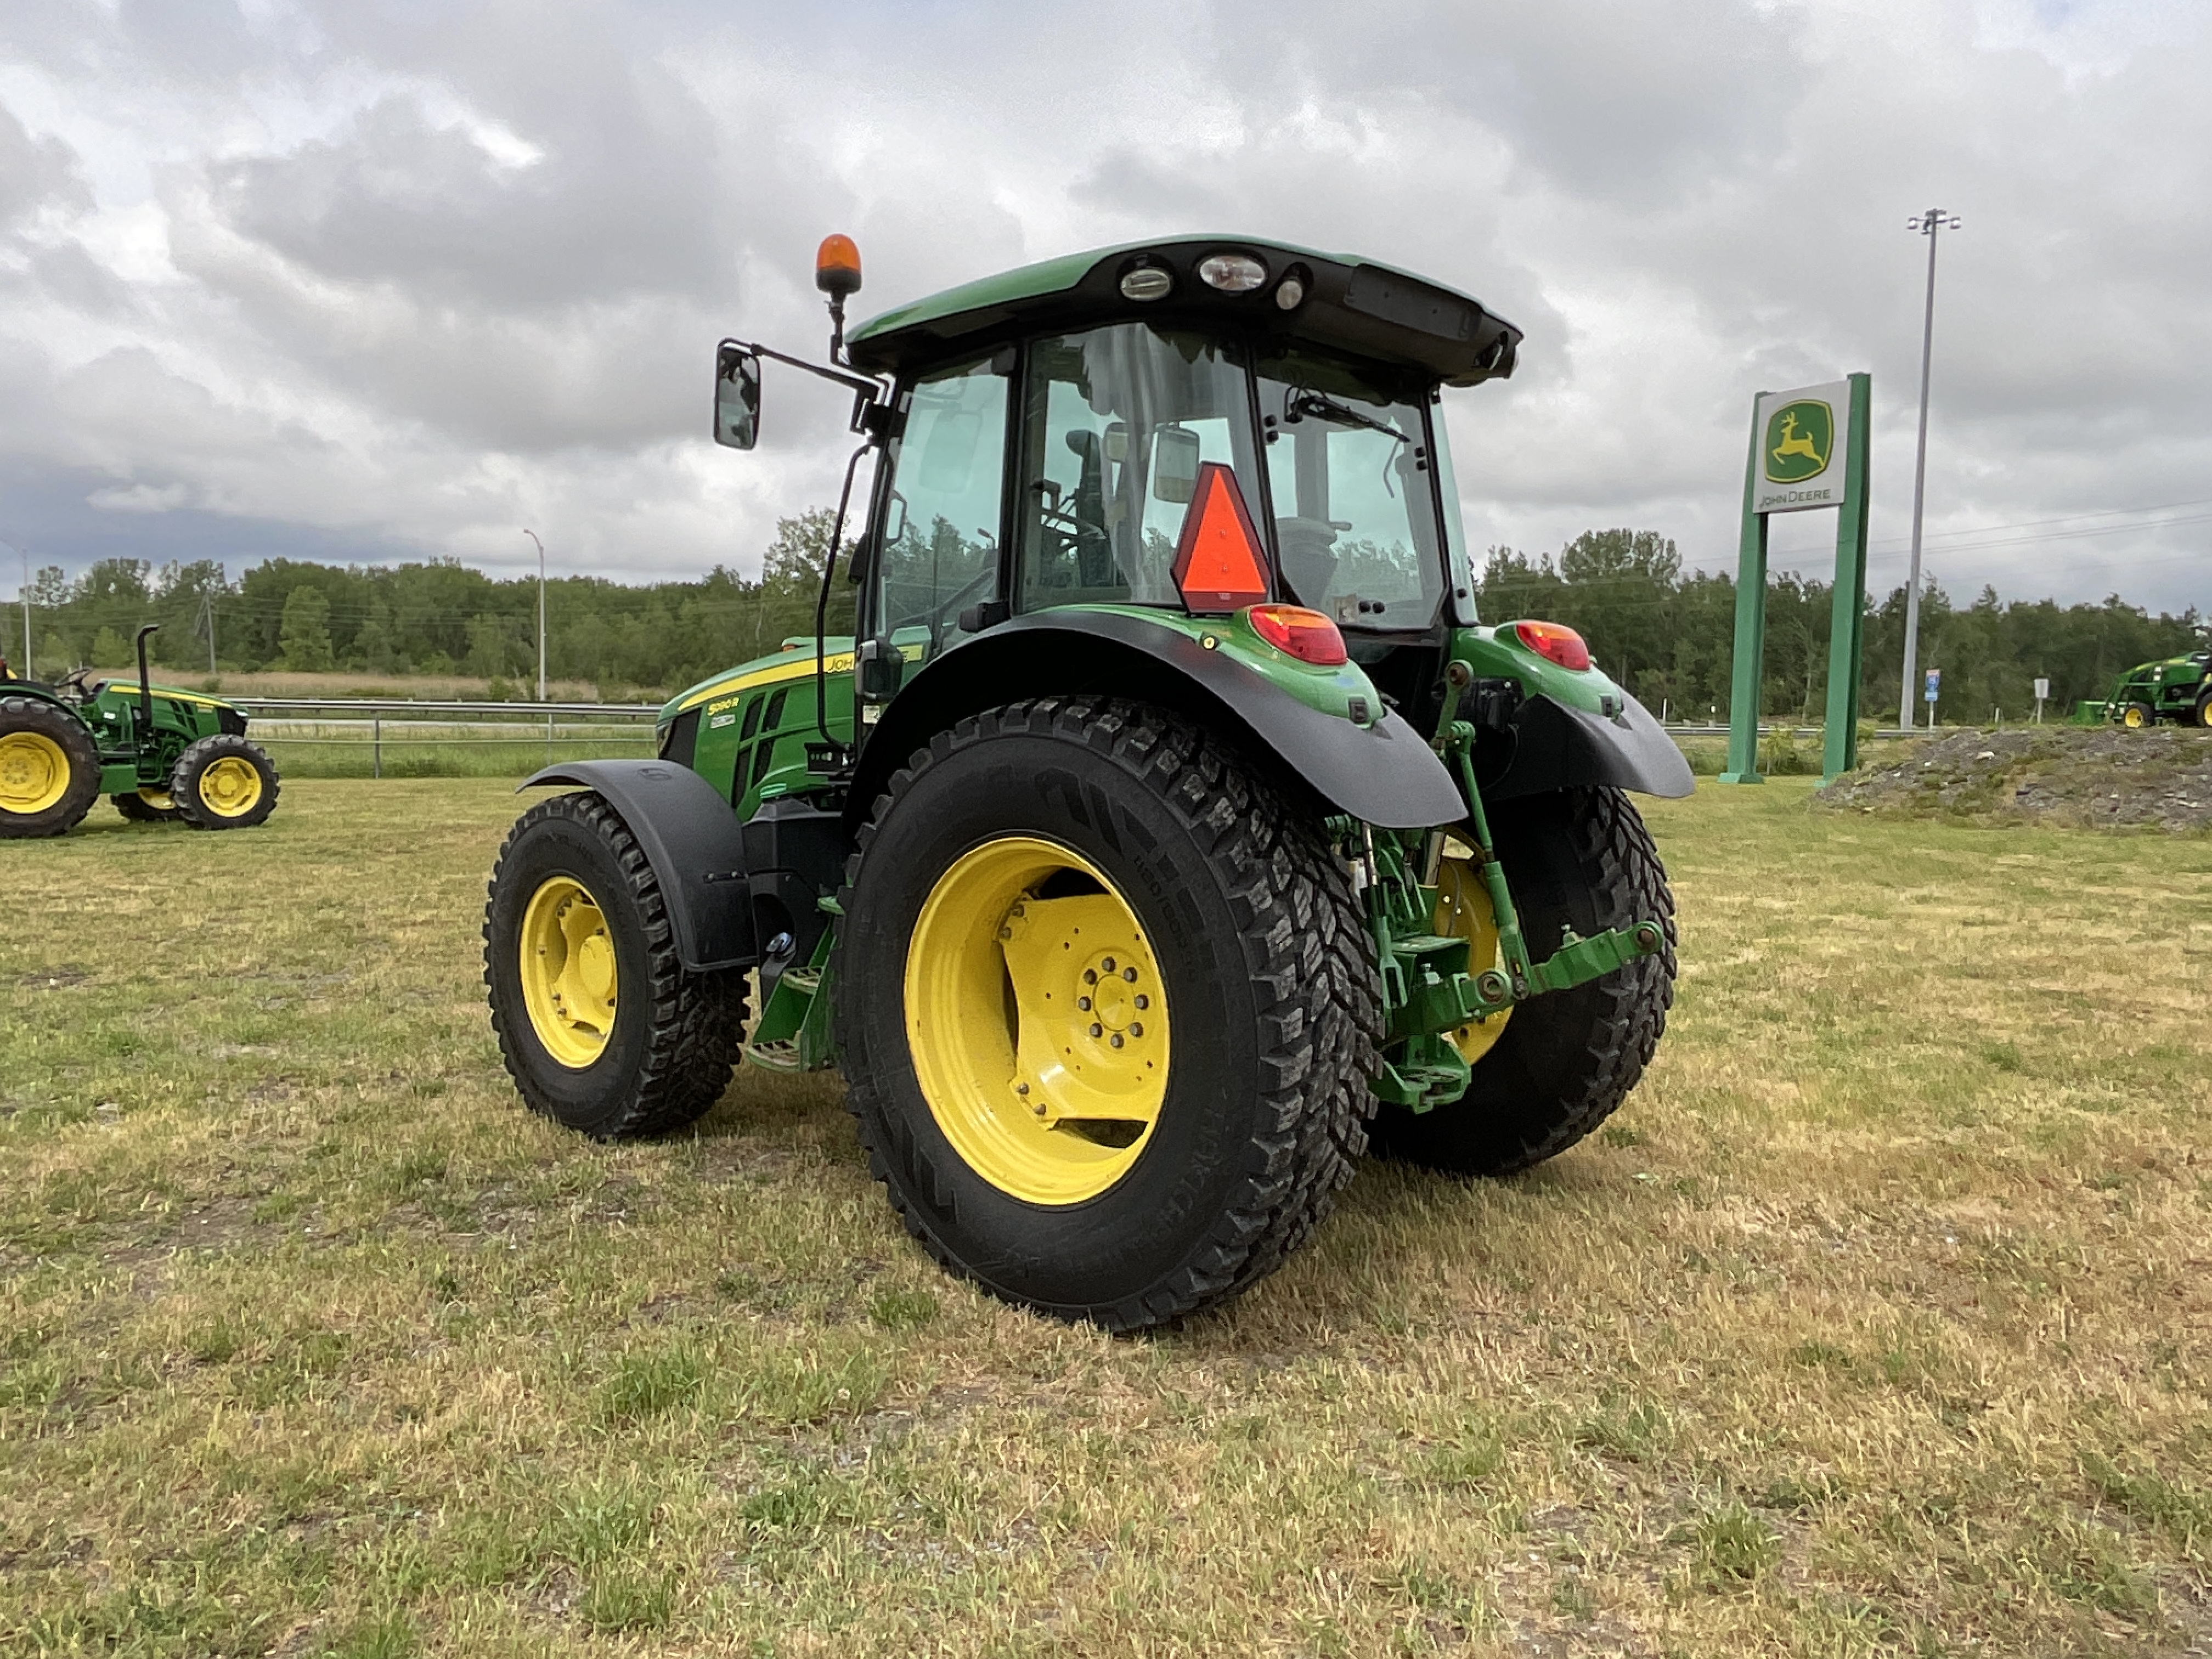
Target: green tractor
[1170, 832]
[2177, 688]
[160, 755]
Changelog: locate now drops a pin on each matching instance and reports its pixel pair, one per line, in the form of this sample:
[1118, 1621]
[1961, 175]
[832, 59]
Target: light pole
[1929, 224]
[25, 594]
[541, 613]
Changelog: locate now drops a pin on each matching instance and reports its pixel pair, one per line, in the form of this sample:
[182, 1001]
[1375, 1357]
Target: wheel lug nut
[1108, 965]
[1129, 974]
[1083, 1003]
[1144, 1001]
[1117, 1039]
[1136, 1028]
[1097, 1030]
[1021, 1088]
[1089, 976]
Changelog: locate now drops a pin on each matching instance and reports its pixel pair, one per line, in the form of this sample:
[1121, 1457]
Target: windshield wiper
[1300, 404]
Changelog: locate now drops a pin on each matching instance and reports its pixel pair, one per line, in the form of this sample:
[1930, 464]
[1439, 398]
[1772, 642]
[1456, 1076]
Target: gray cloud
[403, 279]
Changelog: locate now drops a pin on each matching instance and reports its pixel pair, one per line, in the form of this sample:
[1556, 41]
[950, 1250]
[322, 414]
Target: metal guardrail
[404, 706]
[375, 723]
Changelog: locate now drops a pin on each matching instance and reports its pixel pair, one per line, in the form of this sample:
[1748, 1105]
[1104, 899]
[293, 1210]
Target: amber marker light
[837, 266]
[1297, 632]
[1555, 643]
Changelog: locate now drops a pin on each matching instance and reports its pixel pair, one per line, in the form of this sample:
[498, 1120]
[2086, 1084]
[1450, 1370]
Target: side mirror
[737, 398]
[1175, 464]
[881, 670]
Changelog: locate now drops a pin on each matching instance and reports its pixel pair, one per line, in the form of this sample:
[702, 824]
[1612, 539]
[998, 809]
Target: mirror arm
[821, 612]
[867, 390]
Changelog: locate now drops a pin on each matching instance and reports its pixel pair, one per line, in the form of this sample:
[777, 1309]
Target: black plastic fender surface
[695, 844]
[1384, 774]
[1551, 746]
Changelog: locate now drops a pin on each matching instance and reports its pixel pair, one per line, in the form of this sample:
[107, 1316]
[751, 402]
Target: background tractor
[160, 755]
[1170, 829]
[2177, 688]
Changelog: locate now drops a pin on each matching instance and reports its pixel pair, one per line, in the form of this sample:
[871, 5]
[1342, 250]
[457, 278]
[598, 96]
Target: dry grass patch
[1877, 1321]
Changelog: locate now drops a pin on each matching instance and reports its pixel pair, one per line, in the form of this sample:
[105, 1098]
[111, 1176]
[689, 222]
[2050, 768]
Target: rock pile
[2097, 778]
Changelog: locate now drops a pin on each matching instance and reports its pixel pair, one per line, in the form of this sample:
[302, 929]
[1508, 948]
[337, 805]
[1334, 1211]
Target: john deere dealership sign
[1800, 463]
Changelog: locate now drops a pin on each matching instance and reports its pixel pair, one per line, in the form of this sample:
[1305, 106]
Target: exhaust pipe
[145, 686]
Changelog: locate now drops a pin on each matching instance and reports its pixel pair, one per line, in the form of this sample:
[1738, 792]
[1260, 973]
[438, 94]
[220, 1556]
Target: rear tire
[1580, 858]
[2203, 715]
[136, 806]
[223, 782]
[1267, 994]
[630, 1043]
[49, 769]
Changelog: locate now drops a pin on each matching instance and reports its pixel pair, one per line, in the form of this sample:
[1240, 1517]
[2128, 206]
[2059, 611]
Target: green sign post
[1808, 449]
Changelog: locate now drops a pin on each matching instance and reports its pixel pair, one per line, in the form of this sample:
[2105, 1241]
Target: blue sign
[1935, 679]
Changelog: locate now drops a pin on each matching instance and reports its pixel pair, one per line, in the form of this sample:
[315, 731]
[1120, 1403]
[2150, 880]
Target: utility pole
[541, 613]
[207, 614]
[1929, 224]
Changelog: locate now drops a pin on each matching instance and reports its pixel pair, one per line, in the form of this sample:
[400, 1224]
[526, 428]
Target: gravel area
[2096, 778]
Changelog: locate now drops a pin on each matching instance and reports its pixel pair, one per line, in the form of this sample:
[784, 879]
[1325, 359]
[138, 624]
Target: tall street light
[1929, 224]
[541, 609]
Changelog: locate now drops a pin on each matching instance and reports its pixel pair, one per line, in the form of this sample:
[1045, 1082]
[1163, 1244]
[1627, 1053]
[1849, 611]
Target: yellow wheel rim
[230, 787]
[158, 799]
[568, 960]
[1037, 1020]
[1463, 911]
[2132, 718]
[34, 773]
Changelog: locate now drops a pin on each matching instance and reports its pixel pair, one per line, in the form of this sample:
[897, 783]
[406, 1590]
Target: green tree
[306, 632]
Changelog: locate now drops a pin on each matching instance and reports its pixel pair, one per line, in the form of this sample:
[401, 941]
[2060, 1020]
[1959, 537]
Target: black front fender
[694, 843]
[1382, 774]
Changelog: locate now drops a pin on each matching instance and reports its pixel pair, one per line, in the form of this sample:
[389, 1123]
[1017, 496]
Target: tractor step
[774, 1056]
[804, 980]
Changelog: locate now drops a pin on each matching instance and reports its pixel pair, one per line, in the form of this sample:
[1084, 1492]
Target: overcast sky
[363, 282]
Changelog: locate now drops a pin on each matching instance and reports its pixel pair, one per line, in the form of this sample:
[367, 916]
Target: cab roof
[1347, 304]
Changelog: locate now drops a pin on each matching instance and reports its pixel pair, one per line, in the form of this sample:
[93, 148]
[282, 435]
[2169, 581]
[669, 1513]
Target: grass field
[1879, 1320]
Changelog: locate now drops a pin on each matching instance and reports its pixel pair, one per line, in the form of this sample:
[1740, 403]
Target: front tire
[1028, 862]
[49, 769]
[1564, 1061]
[223, 782]
[601, 1026]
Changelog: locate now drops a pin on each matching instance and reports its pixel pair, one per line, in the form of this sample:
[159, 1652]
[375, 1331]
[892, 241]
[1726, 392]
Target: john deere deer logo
[1799, 438]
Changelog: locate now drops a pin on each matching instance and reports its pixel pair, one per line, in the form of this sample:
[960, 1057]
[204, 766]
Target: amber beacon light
[837, 267]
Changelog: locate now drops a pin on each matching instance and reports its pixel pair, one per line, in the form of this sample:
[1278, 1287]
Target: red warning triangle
[1219, 564]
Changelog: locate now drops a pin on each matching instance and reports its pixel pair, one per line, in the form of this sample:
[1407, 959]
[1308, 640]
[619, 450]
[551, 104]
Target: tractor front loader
[1170, 829]
[159, 754]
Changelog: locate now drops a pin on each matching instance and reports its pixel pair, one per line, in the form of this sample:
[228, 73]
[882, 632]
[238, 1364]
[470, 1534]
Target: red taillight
[1555, 643]
[1218, 564]
[1297, 632]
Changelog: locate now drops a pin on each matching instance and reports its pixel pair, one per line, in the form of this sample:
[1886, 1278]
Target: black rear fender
[1384, 774]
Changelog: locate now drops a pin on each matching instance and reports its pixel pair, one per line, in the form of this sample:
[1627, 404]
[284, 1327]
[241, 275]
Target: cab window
[1115, 423]
[1354, 496]
[940, 545]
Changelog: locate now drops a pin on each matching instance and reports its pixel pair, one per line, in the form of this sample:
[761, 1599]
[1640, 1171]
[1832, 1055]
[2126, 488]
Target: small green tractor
[2177, 688]
[160, 755]
[1168, 832]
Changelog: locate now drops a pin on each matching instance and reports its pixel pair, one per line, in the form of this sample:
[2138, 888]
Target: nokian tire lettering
[1580, 858]
[675, 1035]
[1257, 936]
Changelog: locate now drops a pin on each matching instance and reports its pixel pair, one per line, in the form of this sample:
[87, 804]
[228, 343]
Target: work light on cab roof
[1169, 825]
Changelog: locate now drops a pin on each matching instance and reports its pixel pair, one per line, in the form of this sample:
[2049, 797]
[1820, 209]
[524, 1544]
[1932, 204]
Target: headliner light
[1556, 642]
[1232, 273]
[1297, 632]
[1145, 282]
[1289, 293]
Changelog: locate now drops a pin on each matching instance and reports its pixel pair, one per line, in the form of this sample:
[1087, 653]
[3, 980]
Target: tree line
[1667, 634]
